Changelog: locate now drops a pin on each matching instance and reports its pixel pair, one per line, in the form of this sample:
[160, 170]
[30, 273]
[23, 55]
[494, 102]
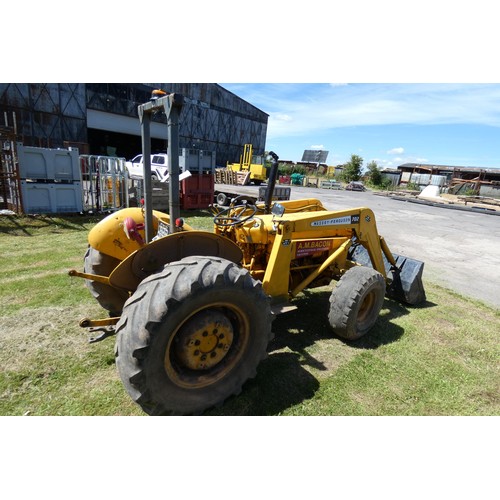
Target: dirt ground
[460, 249]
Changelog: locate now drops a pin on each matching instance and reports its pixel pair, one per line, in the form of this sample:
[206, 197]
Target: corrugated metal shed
[212, 118]
[450, 172]
[57, 115]
[47, 114]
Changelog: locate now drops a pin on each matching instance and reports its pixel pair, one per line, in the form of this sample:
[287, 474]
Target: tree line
[352, 171]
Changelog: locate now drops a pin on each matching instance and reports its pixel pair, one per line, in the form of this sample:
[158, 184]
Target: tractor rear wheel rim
[207, 346]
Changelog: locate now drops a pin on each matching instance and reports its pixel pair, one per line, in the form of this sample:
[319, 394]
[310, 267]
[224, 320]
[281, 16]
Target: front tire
[356, 301]
[191, 335]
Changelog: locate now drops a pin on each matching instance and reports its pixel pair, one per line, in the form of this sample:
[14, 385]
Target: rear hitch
[107, 331]
[106, 326]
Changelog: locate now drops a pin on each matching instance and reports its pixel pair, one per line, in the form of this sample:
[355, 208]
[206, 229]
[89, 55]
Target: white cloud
[283, 117]
[396, 151]
[395, 162]
[317, 146]
[300, 109]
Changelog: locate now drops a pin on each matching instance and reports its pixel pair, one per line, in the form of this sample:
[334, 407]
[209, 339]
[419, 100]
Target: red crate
[197, 191]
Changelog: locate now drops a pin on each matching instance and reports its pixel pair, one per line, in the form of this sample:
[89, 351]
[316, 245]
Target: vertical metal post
[175, 102]
[145, 119]
[171, 104]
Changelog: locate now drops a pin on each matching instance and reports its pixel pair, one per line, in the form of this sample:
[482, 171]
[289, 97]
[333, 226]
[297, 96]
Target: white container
[51, 198]
[48, 164]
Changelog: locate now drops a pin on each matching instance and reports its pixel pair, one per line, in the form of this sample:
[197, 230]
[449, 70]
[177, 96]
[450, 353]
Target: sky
[455, 124]
[442, 124]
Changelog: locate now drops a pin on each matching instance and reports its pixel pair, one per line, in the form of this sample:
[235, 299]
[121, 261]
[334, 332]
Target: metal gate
[106, 184]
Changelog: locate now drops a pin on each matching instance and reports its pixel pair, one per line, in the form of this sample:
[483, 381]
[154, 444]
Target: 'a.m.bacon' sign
[310, 247]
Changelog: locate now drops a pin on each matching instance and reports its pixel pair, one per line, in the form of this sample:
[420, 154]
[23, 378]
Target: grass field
[438, 359]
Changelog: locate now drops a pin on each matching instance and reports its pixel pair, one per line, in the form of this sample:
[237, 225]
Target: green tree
[352, 169]
[374, 174]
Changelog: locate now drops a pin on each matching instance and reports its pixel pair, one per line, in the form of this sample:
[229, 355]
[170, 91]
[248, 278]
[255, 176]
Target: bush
[412, 186]
[285, 169]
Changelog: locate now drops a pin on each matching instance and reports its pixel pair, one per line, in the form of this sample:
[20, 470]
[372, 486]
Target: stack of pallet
[242, 178]
[226, 176]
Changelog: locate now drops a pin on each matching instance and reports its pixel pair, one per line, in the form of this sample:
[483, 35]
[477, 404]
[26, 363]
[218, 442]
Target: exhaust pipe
[273, 175]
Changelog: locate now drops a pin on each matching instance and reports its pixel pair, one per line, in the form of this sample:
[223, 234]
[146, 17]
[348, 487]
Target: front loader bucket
[406, 285]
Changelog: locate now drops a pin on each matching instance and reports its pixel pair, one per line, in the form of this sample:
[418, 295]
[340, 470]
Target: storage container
[48, 164]
[197, 191]
[51, 198]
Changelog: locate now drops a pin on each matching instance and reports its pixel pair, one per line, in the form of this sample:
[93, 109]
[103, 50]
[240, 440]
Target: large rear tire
[191, 335]
[110, 298]
[356, 301]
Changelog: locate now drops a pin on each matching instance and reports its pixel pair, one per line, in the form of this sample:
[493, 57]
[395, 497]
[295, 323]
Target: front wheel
[356, 301]
[191, 335]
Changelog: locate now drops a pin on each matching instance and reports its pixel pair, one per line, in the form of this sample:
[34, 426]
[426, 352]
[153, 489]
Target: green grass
[438, 359]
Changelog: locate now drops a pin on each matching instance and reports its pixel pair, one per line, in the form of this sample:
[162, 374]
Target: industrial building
[483, 181]
[450, 172]
[102, 119]
[45, 126]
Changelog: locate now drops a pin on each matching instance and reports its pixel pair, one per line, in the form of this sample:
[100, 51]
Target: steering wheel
[223, 220]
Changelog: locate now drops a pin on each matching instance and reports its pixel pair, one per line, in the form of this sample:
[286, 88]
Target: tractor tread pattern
[155, 297]
[346, 298]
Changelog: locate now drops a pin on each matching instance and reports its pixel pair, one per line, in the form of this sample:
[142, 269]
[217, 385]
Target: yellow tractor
[193, 310]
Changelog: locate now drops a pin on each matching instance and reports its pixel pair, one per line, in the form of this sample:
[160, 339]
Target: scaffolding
[10, 191]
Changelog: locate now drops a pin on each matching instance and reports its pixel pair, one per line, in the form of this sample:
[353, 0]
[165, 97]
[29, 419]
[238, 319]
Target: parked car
[355, 186]
[159, 167]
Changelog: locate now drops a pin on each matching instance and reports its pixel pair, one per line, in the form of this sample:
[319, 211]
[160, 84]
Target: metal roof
[450, 167]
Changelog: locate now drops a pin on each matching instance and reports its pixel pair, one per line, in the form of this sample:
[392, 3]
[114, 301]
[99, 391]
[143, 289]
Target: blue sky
[443, 124]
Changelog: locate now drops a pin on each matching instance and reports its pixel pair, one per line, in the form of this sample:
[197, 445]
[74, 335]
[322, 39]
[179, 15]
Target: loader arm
[299, 232]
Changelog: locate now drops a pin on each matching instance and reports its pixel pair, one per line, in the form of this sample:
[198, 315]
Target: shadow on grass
[282, 381]
[30, 225]
[12, 224]
[309, 323]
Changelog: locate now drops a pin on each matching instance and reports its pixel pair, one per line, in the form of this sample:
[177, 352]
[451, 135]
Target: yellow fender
[108, 236]
[174, 247]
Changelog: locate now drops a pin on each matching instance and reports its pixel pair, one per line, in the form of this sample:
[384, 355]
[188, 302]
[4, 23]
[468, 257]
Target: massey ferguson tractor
[192, 310]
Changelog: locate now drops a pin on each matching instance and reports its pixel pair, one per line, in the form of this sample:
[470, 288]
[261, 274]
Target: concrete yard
[461, 249]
